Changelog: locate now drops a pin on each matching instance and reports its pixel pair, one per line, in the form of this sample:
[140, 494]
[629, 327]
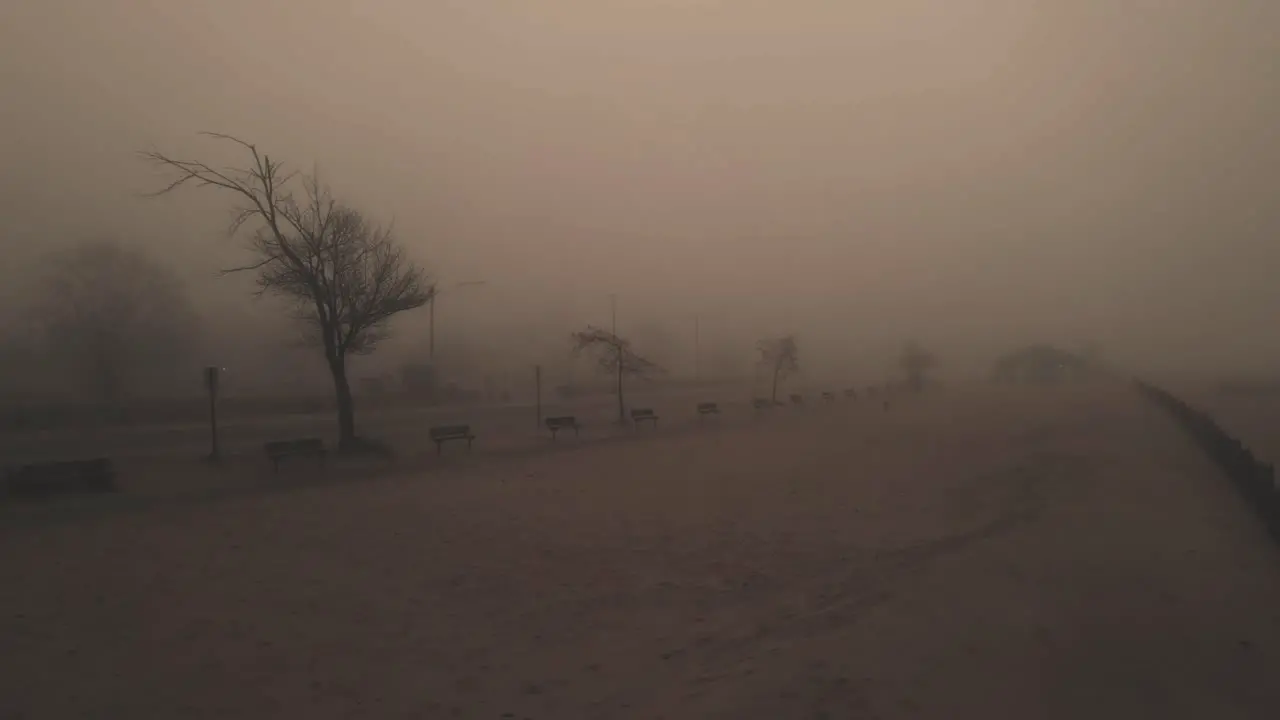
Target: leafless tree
[615, 356]
[916, 362]
[115, 316]
[782, 357]
[346, 276]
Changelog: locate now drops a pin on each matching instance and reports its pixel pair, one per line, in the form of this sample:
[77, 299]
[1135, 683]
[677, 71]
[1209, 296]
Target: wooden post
[211, 384]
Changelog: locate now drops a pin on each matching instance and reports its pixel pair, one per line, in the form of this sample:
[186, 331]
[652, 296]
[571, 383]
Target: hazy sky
[967, 172]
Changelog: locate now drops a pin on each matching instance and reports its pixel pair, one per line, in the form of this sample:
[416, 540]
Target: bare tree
[916, 362]
[346, 276]
[116, 316]
[782, 357]
[615, 356]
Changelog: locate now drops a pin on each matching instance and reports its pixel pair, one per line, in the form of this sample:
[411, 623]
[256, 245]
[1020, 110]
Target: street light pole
[617, 345]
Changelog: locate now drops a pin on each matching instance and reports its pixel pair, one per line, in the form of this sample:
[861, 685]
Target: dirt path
[980, 555]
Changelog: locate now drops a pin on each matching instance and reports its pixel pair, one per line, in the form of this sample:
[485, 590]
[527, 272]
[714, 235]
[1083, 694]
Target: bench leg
[553, 433]
[469, 444]
[438, 444]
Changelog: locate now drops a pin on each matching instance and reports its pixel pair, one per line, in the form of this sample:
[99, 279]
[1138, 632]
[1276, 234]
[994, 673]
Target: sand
[984, 554]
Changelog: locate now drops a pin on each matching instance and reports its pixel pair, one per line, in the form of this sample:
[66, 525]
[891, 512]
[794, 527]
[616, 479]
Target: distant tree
[115, 316]
[782, 358]
[615, 356]
[345, 275]
[916, 362]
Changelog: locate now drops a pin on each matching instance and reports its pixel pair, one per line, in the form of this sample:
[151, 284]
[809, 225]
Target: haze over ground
[973, 174]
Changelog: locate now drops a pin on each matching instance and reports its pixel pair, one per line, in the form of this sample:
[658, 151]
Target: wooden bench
[761, 404]
[851, 394]
[39, 480]
[828, 396]
[797, 399]
[556, 424]
[444, 433]
[708, 408]
[639, 415]
[278, 450]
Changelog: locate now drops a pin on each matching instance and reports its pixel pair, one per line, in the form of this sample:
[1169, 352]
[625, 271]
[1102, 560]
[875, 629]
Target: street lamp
[435, 293]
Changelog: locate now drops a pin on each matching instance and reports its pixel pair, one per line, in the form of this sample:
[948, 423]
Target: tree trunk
[346, 406]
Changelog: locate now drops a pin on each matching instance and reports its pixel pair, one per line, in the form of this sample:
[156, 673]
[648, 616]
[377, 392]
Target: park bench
[828, 396]
[38, 480]
[278, 450]
[708, 408]
[761, 404]
[639, 415]
[797, 399]
[444, 433]
[556, 424]
[851, 394]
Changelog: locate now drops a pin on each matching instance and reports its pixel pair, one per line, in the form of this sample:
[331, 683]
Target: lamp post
[211, 385]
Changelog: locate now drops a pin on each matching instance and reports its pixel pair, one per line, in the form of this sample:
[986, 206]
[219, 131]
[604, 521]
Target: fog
[970, 174]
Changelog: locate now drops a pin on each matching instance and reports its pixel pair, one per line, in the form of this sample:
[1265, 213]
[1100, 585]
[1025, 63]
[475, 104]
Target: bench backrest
[445, 432]
[301, 445]
[708, 407]
[562, 421]
[641, 413]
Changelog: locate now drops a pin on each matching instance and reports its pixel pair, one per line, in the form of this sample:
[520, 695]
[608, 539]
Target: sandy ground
[1056, 554]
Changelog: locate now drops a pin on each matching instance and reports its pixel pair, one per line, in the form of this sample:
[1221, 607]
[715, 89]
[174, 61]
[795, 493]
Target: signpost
[211, 384]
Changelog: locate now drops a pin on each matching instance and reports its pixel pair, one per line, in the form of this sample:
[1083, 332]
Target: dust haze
[970, 175]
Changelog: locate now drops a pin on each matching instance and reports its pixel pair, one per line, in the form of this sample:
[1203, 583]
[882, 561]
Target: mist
[972, 175]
